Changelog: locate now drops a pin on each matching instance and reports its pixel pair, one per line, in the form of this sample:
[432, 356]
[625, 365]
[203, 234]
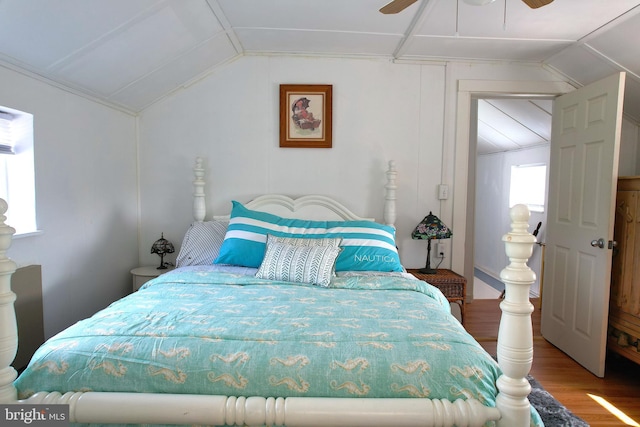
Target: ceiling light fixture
[478, 2]
[481, 3]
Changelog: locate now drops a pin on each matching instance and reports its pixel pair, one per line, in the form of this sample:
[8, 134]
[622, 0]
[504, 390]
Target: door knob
[600, 243]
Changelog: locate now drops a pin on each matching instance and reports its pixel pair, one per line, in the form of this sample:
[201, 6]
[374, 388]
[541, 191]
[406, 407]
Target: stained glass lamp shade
[430, 228]
[162, 246]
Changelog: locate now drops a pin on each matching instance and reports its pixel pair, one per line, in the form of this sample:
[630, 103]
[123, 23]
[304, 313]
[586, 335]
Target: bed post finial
[390, 195]
[515, 336]
[8, 325]
[199, 206]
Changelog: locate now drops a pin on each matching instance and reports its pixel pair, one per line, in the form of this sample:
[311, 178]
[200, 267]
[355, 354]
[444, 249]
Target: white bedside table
[142, 275]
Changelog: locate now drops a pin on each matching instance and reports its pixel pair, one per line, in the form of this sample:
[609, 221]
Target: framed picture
[305, 116]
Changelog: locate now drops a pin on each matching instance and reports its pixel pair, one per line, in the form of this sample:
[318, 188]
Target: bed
[312, 323]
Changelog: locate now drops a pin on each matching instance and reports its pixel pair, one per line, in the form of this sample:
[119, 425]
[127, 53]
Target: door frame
[463, 213]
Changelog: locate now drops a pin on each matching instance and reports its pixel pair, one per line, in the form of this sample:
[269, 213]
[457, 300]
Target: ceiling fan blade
[396, 6]
[534, 4]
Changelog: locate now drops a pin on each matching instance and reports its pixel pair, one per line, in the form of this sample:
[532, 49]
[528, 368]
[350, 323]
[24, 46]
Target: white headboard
[307, 207]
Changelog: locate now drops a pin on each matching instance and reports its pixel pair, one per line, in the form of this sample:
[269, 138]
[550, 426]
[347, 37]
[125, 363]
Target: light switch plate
[443, 191]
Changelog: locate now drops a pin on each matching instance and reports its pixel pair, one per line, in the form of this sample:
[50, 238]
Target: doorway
[512, 159]
[464, 195]
[582, 143]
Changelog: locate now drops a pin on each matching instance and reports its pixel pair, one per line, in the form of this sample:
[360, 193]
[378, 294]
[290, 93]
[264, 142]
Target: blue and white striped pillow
[367, 245]
[201, 243]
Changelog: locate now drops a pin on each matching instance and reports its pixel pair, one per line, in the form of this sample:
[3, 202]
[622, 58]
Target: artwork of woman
[302, 117]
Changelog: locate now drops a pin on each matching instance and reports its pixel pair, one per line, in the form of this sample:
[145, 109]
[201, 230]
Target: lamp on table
[162, 246]
[430, 228]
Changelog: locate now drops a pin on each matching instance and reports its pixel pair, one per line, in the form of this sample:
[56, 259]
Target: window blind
[6, 133]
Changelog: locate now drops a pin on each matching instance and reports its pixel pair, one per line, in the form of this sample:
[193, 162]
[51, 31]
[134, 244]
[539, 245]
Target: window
[17, 174]
[528, 186]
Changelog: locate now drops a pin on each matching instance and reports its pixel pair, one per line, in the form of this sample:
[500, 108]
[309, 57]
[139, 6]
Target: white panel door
[582, 188]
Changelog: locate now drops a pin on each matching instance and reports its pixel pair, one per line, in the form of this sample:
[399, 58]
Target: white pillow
[296, 241]
[302, 264]
[201, 243]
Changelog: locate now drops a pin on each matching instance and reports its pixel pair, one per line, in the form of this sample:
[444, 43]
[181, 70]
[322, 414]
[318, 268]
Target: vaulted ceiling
[131, 53]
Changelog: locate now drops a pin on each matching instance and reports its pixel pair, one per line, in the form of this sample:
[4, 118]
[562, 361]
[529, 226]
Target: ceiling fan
[396, 6]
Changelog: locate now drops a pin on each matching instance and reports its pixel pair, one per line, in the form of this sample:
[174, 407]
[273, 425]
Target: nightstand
[452, 285]
[142, 275]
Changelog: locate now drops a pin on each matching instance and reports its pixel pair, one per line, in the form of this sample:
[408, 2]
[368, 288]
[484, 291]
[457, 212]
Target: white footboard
[515, 352]
[144, 408]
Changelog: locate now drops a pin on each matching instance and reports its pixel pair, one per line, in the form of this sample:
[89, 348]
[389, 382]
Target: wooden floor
[561, 376]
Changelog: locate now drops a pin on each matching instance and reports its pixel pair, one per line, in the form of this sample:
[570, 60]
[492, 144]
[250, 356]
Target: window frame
[521, 190]
[17, 171]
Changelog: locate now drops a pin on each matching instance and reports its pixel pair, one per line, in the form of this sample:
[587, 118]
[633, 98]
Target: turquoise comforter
[203, 332]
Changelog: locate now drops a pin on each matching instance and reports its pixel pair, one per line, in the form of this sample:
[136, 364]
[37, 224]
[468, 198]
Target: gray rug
[552, 412]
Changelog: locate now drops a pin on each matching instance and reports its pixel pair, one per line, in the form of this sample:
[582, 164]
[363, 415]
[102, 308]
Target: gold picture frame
[305, 116]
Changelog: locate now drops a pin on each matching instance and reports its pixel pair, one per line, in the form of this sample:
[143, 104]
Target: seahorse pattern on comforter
[198, 331]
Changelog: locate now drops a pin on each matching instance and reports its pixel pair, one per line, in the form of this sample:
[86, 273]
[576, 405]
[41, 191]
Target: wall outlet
[441, 249]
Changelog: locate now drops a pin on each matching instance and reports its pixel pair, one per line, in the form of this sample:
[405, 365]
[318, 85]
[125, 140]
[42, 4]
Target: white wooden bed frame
[515, 356]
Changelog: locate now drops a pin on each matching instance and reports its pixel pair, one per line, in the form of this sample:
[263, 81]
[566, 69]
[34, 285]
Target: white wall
[381, 111]
[86, 196]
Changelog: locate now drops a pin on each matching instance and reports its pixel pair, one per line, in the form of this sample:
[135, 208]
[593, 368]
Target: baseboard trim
[488, 279]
